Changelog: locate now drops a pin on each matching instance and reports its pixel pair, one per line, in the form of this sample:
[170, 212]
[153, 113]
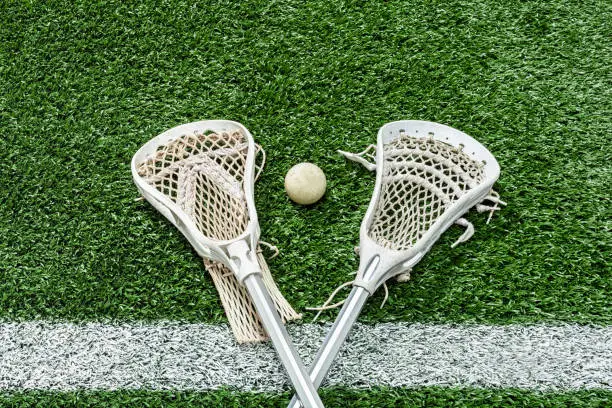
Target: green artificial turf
[85, 83]
[336, 397]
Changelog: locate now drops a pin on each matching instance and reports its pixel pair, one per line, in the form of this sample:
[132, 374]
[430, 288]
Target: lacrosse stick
[200, 176]
[427, 176]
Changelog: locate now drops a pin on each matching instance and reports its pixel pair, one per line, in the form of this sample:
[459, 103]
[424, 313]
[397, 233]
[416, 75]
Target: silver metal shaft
[273, 324]
[335, 338]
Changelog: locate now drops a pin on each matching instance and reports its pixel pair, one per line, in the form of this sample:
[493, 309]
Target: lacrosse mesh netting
[203, 174]
[421, 178]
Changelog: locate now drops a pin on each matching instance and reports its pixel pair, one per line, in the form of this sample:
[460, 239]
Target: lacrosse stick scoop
[427, 176]
[200, 176]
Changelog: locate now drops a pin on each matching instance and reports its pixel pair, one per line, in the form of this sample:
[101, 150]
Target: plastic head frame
[449, 173]
[191, 137]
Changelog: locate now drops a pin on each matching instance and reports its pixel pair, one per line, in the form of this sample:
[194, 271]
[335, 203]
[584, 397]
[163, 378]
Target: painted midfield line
[168, 355]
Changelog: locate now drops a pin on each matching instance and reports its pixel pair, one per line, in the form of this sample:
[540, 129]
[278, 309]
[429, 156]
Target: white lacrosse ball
[305, 183]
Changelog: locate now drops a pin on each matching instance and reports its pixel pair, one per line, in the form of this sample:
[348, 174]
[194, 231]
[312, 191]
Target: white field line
[169, 355]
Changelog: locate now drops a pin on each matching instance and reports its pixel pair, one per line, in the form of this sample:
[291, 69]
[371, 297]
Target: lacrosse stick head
[427, 176]
[200, 176]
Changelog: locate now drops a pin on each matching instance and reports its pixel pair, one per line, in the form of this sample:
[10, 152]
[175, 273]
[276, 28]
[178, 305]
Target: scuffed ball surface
[305, 183]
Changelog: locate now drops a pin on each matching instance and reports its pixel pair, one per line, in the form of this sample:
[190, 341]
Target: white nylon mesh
[421, 178]
[239, 309]
[203, 174]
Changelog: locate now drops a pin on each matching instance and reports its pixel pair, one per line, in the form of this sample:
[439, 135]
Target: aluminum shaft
[335, 338]
[287, 353]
